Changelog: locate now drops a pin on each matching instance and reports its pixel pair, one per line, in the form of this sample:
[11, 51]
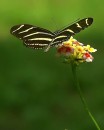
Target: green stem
[76, 83]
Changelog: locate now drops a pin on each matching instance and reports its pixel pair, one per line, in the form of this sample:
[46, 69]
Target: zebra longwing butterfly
[38, 38]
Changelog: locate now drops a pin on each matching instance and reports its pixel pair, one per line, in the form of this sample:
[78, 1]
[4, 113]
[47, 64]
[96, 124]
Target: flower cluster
[72, 50]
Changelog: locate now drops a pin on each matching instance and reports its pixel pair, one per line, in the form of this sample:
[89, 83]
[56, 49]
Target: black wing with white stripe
[32, 36]
[66, 33]
[37, 38]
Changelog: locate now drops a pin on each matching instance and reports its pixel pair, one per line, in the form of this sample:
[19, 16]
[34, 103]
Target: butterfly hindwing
[32, 36]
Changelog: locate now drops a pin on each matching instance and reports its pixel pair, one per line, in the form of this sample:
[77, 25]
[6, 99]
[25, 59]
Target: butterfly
[39, 38]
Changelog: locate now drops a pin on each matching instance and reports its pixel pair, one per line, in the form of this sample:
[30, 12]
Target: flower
[74, 51]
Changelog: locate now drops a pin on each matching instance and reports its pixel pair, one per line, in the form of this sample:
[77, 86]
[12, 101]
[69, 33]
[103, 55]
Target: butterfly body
[38, 38]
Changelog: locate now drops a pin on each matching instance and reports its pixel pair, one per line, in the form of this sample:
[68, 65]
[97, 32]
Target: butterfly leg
[49, 46]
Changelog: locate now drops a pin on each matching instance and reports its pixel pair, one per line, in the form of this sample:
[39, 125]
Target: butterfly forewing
[78, 26]
[66, 33]
[32, 36]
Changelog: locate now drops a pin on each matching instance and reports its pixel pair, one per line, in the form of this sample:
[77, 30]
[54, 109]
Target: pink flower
[73, 50]
[88, 57]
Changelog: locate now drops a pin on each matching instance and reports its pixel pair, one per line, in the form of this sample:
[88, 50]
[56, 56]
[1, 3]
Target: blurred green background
[36, 88]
